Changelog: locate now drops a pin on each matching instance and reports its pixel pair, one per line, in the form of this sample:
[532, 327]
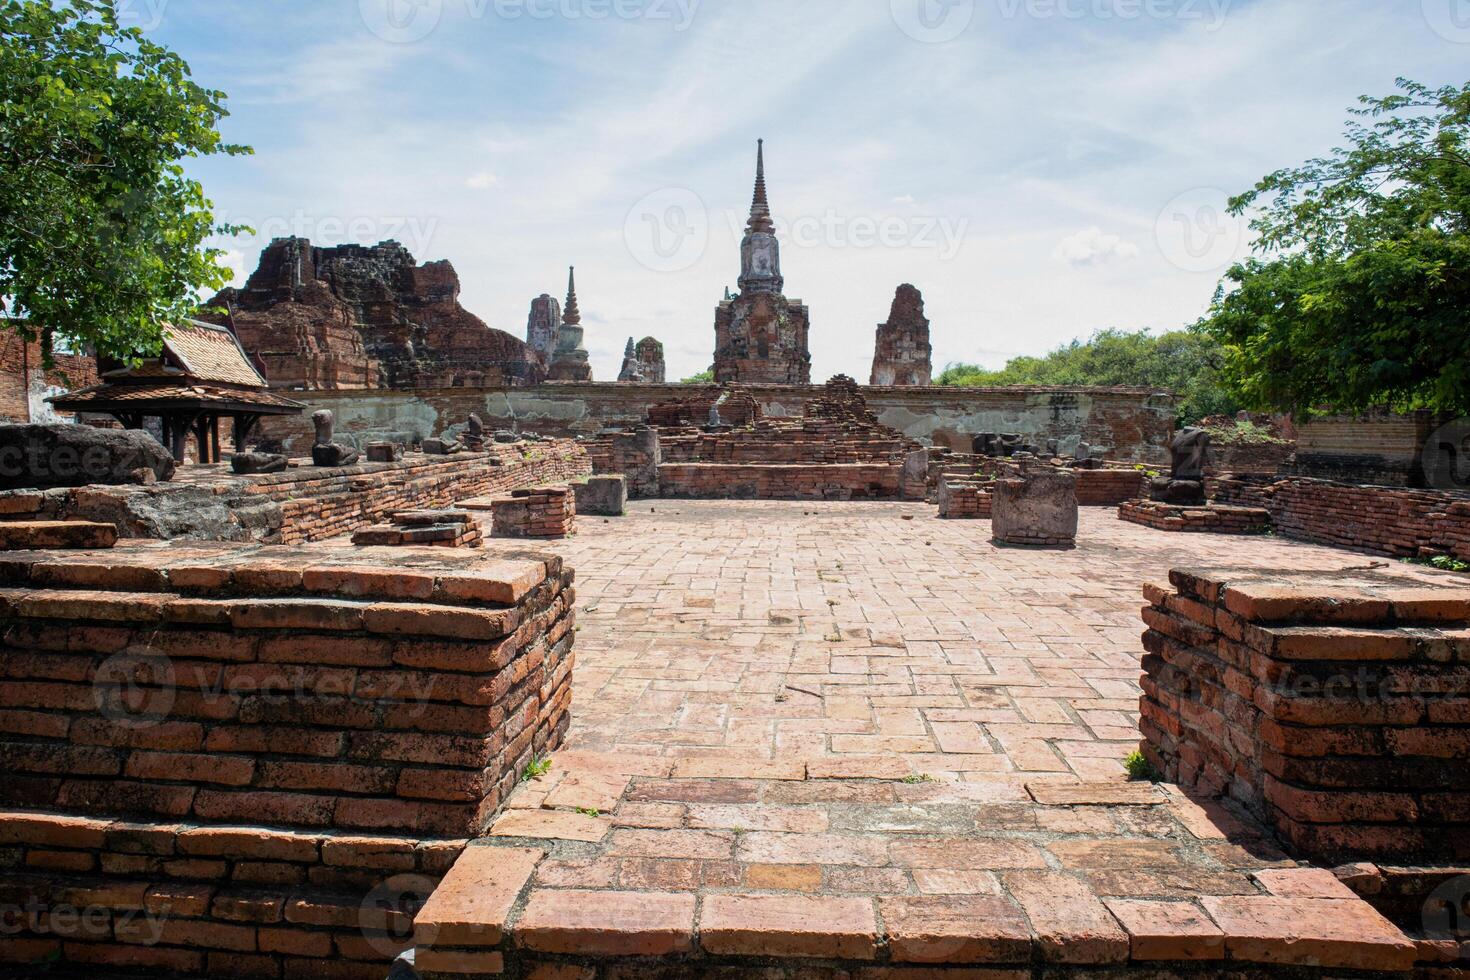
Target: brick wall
[1128, 424]
[303, 504]
[543, 512]
[1109, 487]
[635, 455]
[24, 386]
[255, 746]
[1336, 707]
[1383, 520]
[1381, 448]
[838, 481]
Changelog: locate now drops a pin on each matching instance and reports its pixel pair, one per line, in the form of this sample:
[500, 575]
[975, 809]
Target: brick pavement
[835, 631]
[859, 736]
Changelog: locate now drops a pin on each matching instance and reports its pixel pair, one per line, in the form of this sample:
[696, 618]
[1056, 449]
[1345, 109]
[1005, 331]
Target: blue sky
[1041, 169]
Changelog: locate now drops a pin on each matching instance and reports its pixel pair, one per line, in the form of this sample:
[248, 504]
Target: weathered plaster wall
[1131, 424]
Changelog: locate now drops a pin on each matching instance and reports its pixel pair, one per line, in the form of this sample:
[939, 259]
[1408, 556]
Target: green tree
[1359, 295]
[101, 232]
[1182, 361]
[705, 377]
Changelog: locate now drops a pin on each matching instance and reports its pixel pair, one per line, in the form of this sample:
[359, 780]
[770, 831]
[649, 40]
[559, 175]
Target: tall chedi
[760, 335]
[570, 362]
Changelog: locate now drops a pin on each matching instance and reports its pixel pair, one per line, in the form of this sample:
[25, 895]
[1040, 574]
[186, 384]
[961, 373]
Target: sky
[1040, 169]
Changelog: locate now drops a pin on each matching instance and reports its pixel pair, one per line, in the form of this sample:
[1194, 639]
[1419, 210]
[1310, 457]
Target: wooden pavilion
[202, 376]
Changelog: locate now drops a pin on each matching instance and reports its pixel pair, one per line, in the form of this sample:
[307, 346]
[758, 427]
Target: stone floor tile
[607, 923]
[1072, 925]
[1309, 931]
[472, 902]
[550, 825]
[1168, 930]
[955, 929]
[789, 926]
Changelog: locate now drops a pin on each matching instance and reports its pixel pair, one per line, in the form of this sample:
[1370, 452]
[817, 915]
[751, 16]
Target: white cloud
[484, 180]
[1091, 247]
[904, 199]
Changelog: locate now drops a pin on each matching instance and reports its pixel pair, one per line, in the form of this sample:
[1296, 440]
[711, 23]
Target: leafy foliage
[1140, 769]
[705, 377]
[1359, 294]
[101, 232]
[1184, 362]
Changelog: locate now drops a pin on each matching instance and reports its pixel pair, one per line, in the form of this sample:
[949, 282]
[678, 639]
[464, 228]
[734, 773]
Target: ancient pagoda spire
[760, 208]
[570, 313]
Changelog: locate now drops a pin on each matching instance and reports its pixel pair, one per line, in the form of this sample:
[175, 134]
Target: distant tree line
[1185, 362]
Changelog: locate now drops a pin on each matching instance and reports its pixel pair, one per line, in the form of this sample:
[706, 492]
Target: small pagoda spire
[570, 313]
[760, 208]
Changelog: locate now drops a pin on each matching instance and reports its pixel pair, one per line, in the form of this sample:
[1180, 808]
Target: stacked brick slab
[250, 741]
[1336, 706]
[545, 512]
[437, 528]
[1215, 519]
[963, 500]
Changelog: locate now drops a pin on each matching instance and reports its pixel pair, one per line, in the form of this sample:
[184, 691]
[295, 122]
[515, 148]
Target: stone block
[1038, 509]
[602, 496]
[66, 455]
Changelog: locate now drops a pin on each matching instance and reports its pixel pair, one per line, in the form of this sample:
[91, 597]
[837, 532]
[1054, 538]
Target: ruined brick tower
[902, 354]
[542, 326]
[570, 361]
[760, 335]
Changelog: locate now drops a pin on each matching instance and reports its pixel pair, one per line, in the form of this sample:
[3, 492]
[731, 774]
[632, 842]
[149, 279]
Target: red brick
[607, 923]
[472, 902]
[955, 929]
[223, 770]
[239, 843]
[1309, 932]
[1071, 924]
[1168, 930]
[789, 926]
[447, 621]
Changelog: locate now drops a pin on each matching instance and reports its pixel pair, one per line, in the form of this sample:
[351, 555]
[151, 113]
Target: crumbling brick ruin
[1332, 705]
[902, 354]
[542, 325]
[359, 316]
[234, 755]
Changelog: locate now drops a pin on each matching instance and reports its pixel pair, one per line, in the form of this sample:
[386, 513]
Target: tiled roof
[210, 353]
[181, 389]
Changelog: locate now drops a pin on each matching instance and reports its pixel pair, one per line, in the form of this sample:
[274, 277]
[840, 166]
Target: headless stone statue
[326, 452]
[474, 434]
[245, 463]
[441, 447]
[1189, 453]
